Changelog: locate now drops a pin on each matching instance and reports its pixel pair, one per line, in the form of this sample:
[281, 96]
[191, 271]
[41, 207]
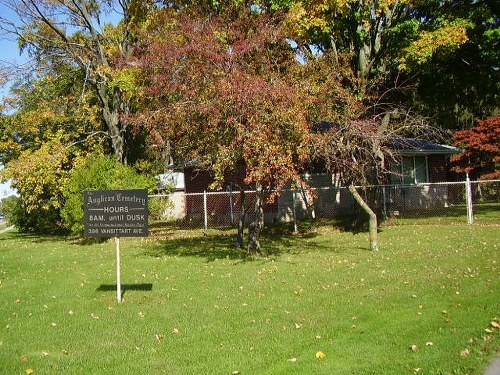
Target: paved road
[494, 368]
[6, 229]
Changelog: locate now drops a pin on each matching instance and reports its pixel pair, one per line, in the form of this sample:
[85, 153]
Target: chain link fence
[467, 201]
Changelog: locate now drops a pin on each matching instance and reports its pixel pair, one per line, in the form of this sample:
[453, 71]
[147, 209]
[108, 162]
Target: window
[410, 170]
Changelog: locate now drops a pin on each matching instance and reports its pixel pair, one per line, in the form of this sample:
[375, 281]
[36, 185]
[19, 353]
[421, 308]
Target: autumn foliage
[480, 145]
[218, 90]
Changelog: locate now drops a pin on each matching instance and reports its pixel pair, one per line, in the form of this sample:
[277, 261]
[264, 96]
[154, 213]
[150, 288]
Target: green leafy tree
[98, 172]
[53, 124]
[38, 176]
[460, 85]
[439, 58]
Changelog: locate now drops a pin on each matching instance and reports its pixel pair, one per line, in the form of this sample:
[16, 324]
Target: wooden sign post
[116, 213]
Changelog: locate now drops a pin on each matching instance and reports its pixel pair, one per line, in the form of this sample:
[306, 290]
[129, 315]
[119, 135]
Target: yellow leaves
[495, 323]
[320, 355]
[448, 37]
[29, 371]
[465, 353]
[124, 79]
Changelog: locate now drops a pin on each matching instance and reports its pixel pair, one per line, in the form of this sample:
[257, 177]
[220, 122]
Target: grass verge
[427, 303]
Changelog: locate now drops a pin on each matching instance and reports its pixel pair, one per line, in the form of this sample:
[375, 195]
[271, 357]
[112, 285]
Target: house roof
[412, 146]
[401, 145]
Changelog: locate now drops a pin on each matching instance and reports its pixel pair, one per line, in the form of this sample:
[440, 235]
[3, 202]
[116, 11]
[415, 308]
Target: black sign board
[116, 213]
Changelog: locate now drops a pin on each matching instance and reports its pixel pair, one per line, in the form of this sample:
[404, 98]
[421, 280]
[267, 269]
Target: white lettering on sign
[135, 217]
[99, 199]
[130, 198]
[96, 217]
[113, 210]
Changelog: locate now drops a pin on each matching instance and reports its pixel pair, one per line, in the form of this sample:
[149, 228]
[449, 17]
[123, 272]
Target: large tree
[438, 57]
[219, 92]
[75, 33]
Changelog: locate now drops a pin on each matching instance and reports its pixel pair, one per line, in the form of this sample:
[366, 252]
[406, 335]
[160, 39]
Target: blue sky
[9, 53]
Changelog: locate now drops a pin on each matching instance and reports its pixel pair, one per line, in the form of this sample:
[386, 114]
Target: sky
[9, 53]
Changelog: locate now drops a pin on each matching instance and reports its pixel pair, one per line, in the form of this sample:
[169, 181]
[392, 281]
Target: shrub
[39, 220]
[97, 173]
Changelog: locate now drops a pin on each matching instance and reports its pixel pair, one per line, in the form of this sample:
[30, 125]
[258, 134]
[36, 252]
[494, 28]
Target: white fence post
[468, 190]
[294, 211]
[205, 213]
[118, 272]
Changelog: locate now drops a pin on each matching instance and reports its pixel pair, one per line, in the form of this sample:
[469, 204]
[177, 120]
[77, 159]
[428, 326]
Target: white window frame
[413, 173]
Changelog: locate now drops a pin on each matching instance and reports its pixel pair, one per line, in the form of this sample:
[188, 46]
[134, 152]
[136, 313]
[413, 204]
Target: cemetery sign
[116, 213]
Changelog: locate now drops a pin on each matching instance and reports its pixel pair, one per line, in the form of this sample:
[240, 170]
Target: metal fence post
[205, 213]
[294, 202]
[468, 190]
[231, 204]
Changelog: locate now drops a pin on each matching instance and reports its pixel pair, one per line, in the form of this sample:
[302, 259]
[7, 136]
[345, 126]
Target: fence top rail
[400, 186]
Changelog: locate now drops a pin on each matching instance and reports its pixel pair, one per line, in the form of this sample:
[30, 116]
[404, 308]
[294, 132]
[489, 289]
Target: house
[421, 163]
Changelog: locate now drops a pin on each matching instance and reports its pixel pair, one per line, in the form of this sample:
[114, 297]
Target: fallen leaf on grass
[24, 358]
[414, 348]
[158, 338]
[428, 343]
[495, 324]
[293, 360]
[320, 355]
[464, 353]
[29, 371]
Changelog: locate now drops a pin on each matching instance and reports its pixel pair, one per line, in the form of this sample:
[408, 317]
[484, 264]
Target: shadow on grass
[125, 287]
[33, 237]
[276, 239]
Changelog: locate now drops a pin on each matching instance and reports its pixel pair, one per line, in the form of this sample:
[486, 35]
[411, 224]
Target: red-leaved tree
[480, 146]
[219, 91]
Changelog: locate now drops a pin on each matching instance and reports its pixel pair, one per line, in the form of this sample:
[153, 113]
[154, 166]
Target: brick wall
[438, 168]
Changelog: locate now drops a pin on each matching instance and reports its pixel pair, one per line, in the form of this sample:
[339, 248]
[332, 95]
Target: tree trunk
[111, 108]
[241, 221]
[255, 227]
[373, 225]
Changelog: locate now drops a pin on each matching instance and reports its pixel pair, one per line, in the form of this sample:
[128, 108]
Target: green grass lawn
[193, 304]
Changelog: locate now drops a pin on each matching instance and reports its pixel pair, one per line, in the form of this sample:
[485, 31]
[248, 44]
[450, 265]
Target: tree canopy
[220, 84]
